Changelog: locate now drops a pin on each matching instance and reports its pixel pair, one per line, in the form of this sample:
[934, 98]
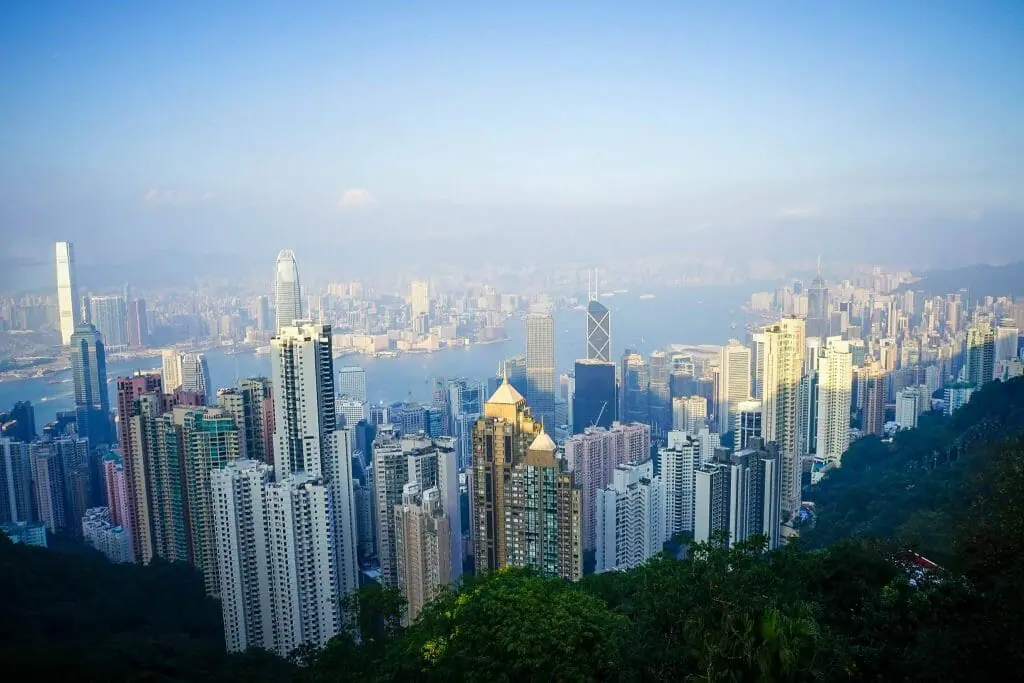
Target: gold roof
[543, 442]
[506, 394]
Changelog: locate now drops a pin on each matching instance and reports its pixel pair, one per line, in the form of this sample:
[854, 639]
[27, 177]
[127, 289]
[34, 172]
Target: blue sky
[221, 121]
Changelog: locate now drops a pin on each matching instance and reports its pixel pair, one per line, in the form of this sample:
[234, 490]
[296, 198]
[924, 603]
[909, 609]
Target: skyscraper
[748, 424]
[592, 458]
[390, 474]
[89, 372]
[688, 412]
[710, 501]
[753, 496]
[818, 313]
[422, 540]
[872, 386]
[630, 518]
[131, 434]
[540, 366]
[195, 375]
[677, 462]
[138, 325]
[636, 380]
[783, 364]
[599, 331]
[419, 298]
[287, 292]
[981, 352]
[67, 291]
[171, 373]
[16, 482]
[835, 381]
[306, 437]
[513, 455]
[352, 383]
[263, 313]
[252, 405]
[109, 315]
[733, 384]
[659, 394]
[593, 402]
[275, 556]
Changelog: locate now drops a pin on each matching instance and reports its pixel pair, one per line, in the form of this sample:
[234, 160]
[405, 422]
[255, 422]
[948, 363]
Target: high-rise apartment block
[688, 413]
[783, 365]
[748, 423]
[16, 494]
[739, 494]
[276, 558]
[630, 518]
[593, 457]
[677, 462]
[835, 383]
[512, 456]
[423, 539]
[102, 534]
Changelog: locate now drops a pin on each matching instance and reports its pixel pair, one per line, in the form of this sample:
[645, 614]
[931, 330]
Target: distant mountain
[979, 280]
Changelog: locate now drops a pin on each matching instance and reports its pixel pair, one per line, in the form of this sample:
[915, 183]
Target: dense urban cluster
[303, 507]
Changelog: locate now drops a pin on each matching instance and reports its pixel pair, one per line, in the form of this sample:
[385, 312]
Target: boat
[54, 381]
[608, 295]
[621, 291]
[646, 296]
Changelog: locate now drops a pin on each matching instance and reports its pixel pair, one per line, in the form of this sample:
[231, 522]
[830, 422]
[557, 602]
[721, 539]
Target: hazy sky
[244, 128]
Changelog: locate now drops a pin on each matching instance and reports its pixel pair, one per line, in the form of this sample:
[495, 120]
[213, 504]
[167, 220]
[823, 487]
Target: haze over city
[773, 130]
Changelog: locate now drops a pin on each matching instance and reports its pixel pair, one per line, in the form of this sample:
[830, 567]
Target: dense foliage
[846, 603]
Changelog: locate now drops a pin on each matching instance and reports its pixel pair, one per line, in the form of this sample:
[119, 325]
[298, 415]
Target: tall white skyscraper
[835, 384]
[783, 365]
[630, 514]
[733, 382]
[678, 461]
[540, 366]
[67, 291]
[275, 554]
[171, 374]
[287, 291]
[306, 437]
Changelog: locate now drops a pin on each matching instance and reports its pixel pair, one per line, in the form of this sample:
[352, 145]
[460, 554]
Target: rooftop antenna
[819, 264]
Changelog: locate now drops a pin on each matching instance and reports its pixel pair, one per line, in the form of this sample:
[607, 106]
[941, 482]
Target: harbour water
[680, 315]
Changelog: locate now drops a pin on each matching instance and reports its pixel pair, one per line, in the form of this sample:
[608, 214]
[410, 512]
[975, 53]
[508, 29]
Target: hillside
[979, 280]
[843, 604]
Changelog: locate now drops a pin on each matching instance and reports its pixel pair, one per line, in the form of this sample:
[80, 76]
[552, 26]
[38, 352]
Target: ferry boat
[646, 296]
